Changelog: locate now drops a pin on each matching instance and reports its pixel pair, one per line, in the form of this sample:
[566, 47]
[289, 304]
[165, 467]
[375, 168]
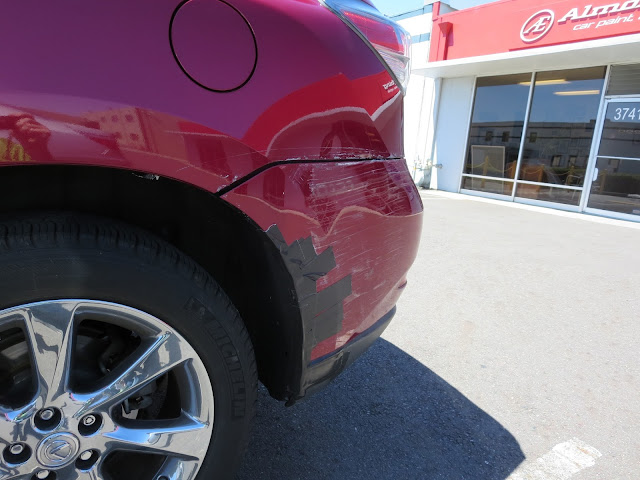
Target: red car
[195, 195]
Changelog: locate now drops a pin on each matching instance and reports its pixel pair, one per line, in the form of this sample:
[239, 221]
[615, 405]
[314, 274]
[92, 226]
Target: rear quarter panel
[102, 77]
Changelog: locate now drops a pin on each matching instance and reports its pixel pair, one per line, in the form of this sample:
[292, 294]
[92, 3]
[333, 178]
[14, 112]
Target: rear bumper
[323, 370]
[347, 233]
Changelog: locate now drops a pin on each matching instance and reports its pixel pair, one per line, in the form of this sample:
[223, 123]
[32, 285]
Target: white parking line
[562, 462]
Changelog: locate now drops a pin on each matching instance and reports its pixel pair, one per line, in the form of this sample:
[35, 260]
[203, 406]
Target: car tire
[143, 344]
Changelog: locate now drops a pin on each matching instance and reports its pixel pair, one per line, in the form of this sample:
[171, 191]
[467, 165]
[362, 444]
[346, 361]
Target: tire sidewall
[131, 268]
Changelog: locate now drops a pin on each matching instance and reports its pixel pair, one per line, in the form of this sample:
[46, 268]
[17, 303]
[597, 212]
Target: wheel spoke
[16, 473]
[150, 361]
[7, 427]
[7, 474]
[49, 328]
[185, 437]
[179, 469]
[89, 475]
[71, 472]
[92, 474]
[12, 422]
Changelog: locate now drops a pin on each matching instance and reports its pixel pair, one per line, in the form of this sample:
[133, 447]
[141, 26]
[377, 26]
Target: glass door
[615, 187]
[559, 134]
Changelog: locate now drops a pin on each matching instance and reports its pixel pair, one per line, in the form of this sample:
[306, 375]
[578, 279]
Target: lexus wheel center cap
[58, 450]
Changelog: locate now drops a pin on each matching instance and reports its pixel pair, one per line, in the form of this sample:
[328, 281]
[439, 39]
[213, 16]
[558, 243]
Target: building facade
[532, 103]
[420, 98]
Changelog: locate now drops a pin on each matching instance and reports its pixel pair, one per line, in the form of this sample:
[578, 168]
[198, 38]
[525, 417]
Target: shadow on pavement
[388, 416]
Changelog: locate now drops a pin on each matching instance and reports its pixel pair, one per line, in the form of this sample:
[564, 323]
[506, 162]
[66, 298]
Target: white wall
[419, 101]
[418, 126]
[451, 132]
[424, 120]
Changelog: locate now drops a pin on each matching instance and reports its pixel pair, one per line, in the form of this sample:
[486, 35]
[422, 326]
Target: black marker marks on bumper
[322, 312]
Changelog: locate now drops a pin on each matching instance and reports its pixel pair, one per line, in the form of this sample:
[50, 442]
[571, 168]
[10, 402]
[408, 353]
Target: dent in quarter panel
[368, 213]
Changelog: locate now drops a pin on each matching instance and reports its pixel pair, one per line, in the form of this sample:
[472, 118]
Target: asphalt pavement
[514, 355]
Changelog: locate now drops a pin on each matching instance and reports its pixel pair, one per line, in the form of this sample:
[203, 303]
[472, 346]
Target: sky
[396, 7]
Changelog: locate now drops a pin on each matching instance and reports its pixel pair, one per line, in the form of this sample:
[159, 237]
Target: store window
[496, 132]
[549, 162]
[559, 134]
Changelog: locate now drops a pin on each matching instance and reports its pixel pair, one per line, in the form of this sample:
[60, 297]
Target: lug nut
[16, 454]
[87, 460]
[86, 455]
[89, 420]
[47, 419]
[47, 414]
[16, 449]
[42, 474]
[90, 424]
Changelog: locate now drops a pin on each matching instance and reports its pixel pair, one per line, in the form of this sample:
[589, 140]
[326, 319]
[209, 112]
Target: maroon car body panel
[99, 65]
[305, 132]
[366, 211]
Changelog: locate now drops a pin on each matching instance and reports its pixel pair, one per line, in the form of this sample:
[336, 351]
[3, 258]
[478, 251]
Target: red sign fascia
[512, 25]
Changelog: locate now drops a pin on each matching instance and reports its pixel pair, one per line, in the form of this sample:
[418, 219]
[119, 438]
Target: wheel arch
[230, 246]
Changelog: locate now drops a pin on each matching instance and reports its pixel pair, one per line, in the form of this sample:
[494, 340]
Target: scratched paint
[363, 211]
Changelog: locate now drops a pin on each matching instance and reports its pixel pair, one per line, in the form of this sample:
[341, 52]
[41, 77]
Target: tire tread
[26, 233]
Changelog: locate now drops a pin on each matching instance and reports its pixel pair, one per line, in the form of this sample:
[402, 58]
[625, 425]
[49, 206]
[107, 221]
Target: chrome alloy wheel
[96, 390]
